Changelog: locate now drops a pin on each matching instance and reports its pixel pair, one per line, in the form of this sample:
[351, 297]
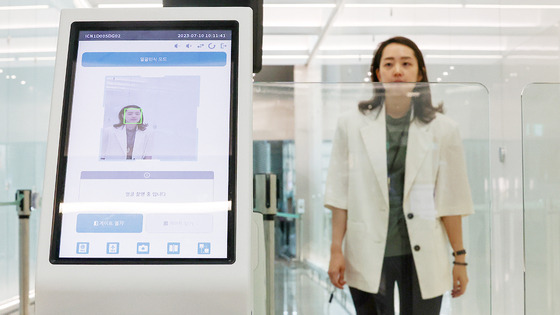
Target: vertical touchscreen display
[147, 150]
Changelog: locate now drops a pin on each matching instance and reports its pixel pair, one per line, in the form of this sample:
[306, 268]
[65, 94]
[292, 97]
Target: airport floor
[301, 290]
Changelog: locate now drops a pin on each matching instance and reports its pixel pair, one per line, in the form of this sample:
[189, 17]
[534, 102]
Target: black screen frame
[76, 28]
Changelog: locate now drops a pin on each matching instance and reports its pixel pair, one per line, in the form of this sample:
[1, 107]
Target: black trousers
[400, 270]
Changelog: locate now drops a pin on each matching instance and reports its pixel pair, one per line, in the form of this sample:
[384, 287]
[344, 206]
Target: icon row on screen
[203, 45]
[142, 248]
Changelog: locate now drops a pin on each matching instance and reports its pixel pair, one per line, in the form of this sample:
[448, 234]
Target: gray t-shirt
[398, 242]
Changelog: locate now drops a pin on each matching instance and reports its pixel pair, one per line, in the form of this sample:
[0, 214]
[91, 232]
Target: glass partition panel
[25, 111]
[299, 121]
[26, 76]
[541, 184]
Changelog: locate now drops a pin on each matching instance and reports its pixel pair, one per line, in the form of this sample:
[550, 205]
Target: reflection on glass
[541, 172]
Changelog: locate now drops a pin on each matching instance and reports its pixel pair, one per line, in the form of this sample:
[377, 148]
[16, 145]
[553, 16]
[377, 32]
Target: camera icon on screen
[143, 248]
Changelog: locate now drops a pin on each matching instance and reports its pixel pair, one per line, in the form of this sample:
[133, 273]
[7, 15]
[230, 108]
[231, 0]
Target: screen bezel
[71, 61]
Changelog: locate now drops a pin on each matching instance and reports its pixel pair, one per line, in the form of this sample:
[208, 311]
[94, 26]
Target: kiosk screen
[148, 144]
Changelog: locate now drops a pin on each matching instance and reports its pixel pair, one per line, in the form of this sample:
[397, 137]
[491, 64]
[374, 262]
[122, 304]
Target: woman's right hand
[337, 266]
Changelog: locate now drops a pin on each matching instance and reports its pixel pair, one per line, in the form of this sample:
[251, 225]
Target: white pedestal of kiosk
[147, 197]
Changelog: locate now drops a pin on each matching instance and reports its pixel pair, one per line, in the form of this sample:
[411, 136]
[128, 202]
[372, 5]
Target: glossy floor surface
[301, 290]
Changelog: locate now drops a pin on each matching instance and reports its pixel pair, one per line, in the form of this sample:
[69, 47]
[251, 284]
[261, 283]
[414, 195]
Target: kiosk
[147, 197]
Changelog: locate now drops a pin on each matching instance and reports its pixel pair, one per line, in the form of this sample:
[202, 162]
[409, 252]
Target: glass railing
[294, 127]
[541, 177]
[24, 111]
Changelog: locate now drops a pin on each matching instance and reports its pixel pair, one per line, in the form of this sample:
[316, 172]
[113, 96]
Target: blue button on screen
[154, 59]
[109, 223]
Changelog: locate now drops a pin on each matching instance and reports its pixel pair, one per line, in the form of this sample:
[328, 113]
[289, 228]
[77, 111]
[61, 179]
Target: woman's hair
[422, 96]
[141, 126]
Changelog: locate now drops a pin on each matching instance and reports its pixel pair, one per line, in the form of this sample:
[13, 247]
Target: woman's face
[132, 116]
[398, 64]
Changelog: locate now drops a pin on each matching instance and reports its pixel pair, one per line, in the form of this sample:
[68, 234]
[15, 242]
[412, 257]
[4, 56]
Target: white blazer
[436, 185]
[113, 144]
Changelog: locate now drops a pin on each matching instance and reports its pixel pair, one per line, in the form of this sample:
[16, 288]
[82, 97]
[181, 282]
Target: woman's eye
[388, 64]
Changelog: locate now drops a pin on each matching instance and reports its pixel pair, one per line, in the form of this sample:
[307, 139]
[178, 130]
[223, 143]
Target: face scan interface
[147, 144]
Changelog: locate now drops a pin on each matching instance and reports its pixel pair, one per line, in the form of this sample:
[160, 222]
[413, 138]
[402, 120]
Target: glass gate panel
[294, 126]
[541, 205]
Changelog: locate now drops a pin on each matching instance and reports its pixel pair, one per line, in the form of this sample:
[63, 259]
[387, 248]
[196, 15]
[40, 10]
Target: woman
[397, 187]
[129, 139]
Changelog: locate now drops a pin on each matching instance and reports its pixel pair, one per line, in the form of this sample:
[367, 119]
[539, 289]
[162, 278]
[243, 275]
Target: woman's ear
[420, 76]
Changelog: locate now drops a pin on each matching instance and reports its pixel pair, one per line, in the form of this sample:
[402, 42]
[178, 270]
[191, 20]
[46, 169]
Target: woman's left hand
[460, 280]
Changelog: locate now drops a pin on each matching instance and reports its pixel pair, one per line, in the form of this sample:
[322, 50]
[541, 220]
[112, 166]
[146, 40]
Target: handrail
[288, 215]
[19, 198]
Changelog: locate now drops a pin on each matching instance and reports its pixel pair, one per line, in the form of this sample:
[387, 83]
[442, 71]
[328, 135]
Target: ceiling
[300, 32]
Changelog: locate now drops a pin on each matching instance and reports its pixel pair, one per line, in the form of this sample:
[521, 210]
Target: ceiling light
[52, 58]
[284, 48]
[129, 5]
[512, 6]
[23, 82]
[462, 48]
[474, 24]
[452, 6]
[405, 6]
[464, 56]
[299, 5]
[532, 57]
[285, 56]
[26, 26]
[445, 73]
[441, 48]
[13, 77]
[23, 7]
[365, 57]
[29, 50]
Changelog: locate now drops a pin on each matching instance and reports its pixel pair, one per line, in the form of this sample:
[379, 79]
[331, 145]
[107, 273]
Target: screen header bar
[155, 35]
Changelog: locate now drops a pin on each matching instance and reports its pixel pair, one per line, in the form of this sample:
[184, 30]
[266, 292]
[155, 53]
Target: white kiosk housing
[147, 197]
